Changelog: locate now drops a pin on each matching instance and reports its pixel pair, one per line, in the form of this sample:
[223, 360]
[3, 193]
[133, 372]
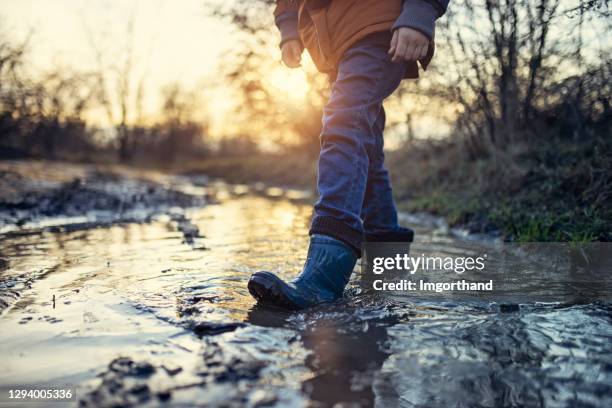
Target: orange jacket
[327, 28]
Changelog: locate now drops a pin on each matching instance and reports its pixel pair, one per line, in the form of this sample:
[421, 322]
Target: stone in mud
[188, 311]
[509, 308]
[123, 384]
[128, 366]
[4, 264]
[164, 395]
[25, 320]
[128, 383]
[200, 298]
[211, 329]
[224, 365]
[194, 306]
[172, 370]
[189, 230]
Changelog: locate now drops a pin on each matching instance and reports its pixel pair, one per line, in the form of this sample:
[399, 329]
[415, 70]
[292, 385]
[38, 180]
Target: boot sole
[268, 290]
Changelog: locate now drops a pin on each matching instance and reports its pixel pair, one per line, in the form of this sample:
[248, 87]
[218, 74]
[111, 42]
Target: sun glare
[292, 82]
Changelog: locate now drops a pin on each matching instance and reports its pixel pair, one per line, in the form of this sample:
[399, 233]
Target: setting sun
[292, 82]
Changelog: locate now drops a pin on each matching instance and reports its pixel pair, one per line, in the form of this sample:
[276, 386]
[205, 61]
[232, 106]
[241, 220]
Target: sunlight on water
[172, 293]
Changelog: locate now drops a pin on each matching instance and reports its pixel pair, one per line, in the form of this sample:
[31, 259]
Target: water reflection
[145, 291]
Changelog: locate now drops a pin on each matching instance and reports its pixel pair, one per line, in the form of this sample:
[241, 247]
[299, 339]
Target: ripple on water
[142, 314]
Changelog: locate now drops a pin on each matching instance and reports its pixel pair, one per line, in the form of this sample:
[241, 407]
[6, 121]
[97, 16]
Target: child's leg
[351, 134]
[378, 212]
[349, 137]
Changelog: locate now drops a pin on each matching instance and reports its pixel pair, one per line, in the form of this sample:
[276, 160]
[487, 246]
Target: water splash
[158, 312]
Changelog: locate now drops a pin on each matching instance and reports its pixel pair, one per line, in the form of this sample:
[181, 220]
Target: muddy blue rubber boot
[326, 272]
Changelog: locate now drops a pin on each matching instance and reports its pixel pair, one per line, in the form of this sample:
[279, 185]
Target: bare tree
[507, 65]
[121, 89]
[38, 109]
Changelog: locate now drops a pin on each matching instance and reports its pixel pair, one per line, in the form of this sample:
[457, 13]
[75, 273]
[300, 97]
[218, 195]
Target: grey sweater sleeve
[421, 15]
[287, 24]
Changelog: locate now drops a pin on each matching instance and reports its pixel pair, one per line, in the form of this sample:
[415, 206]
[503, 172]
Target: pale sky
[175, 41]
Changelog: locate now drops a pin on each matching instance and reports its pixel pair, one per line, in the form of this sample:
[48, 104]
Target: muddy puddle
[156, 313]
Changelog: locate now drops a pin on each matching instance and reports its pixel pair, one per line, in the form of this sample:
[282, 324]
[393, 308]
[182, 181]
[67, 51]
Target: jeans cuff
[399, 235]
[334, 228]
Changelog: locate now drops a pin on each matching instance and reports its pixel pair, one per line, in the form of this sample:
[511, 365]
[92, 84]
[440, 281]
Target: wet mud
[155, 312]
[85, 197]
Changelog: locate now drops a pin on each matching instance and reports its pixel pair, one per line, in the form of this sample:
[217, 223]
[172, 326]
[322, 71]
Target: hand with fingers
[292, 53]
[408, 44]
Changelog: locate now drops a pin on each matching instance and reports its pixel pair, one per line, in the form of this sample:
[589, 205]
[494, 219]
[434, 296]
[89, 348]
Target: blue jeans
[355, 197]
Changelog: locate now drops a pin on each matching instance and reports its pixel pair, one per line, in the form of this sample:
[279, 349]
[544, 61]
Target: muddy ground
[131, 287]
[34, 193]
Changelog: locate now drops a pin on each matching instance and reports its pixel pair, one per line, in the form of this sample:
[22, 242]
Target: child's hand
[292, 53]
[408, 44]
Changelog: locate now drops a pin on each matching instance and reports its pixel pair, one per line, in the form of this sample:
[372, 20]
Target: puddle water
[158, 313]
